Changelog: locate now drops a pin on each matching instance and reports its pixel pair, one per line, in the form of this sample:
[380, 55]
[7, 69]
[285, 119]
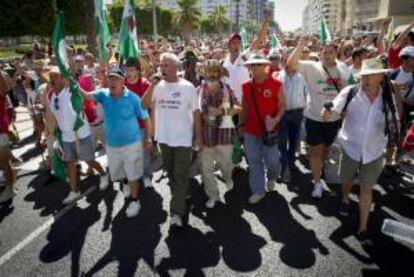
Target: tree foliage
[26, 17]
[219, 18]
[143, 15]
[23, 17]
[188, 17]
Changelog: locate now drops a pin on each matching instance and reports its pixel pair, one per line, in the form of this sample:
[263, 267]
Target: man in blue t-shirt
[124, 138]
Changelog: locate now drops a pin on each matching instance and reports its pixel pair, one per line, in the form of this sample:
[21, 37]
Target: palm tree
[188, 17]
[219, 18]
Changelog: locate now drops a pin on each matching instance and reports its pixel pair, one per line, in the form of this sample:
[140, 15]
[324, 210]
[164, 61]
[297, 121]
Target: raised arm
[293, 59]
[397, 43]
[262, 32]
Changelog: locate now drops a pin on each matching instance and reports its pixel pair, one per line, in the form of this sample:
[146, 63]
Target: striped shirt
[213, 135]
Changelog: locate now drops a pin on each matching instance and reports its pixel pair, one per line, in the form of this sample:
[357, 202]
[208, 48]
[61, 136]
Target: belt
[295, 110]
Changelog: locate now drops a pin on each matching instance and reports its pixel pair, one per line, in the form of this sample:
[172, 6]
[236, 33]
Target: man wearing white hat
[263, 105]
[369, 120]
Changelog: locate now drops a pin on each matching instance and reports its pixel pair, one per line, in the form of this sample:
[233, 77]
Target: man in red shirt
[5, 154]
[139, 85]
[263, 105]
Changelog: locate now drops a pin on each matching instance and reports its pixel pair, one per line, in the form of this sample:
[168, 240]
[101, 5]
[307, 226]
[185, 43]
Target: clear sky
[289, 13]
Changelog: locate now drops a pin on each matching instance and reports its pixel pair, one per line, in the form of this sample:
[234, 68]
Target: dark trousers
[177, 162]
[290, 127]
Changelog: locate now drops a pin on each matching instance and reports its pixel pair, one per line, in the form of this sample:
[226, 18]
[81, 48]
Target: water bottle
[398, 230]
[268, 123]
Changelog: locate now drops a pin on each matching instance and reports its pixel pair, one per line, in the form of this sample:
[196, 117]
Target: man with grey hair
[175, 105]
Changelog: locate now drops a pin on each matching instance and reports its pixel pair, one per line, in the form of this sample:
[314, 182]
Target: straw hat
[372, 66]
[213, 65]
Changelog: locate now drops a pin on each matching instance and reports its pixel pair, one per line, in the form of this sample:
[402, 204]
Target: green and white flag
[391, 30]
[59, 46]
[103, 36]
[324, 35]
[128, 39]
[275, 43]
[245, 38]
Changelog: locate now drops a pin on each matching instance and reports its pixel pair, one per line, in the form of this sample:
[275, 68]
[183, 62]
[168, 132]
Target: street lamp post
[154, 21]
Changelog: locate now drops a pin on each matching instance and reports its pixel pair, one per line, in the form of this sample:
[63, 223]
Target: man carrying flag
[65, 104]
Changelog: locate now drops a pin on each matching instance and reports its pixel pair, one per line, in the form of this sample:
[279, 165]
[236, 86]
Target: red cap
[234, 36]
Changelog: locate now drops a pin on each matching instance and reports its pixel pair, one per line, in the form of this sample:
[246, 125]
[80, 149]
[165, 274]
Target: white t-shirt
[61, 107]
[174, 104]
[406, 78]
[319, 90]
[238, 73]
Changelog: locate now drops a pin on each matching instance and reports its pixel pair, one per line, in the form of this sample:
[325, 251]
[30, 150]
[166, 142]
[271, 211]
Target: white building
[333, 10]
[207, 7]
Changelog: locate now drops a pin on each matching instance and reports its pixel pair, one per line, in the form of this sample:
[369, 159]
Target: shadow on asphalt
[136, 238]
[5, 210]
[391, 257]
[67, 235]
[231, 238]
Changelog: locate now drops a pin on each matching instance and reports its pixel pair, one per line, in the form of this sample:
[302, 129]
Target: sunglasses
[257, 65]
[56, 103]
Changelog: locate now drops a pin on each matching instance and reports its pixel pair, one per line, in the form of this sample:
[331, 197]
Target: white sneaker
[317, 190]
[127, 191]
[133, 209]
[72, 197]
[7, 194]
[176, 221]
[104, 184]
[255, 198]
[211, 203]
[147, 182]
[270, 185]
[230, 184]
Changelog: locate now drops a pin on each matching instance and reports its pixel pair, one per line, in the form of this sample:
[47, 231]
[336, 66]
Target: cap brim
[116, 75]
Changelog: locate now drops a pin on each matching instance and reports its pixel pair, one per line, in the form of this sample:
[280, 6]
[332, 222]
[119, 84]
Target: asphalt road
[287, 234]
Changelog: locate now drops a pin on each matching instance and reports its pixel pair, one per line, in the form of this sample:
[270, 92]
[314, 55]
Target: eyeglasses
[56, 103]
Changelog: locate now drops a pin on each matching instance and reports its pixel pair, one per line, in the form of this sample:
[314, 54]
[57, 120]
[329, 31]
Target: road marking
[22, 244]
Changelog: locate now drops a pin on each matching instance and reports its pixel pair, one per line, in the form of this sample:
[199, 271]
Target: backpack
[388, 106]
[394, 74]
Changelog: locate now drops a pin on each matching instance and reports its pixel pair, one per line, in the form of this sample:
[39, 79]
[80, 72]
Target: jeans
[289, 136]
[259, 157]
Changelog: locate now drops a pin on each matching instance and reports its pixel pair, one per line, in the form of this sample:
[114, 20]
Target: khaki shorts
[126, 162]
[368, 174]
